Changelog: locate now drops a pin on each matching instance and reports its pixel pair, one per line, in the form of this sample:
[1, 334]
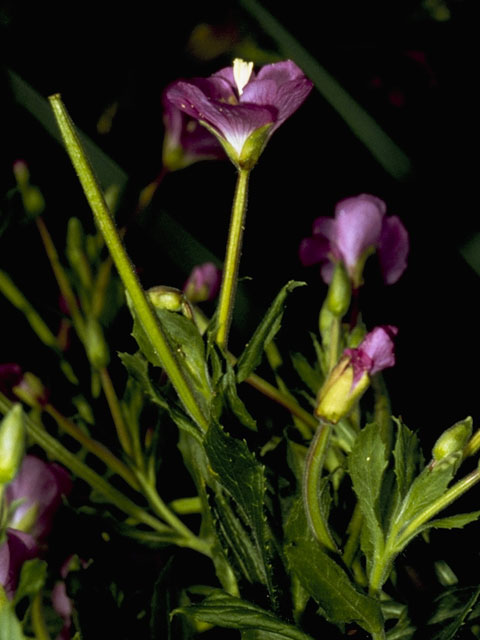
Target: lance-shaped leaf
[243, 478]
[367, 463]
[454, 605]
[408, 457]
[222, 609]
[265, 332]
[325, 580]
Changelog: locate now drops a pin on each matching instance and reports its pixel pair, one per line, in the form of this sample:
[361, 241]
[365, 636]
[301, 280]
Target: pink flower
[15, 549]
[37, 491]
[350, 378]
[241, 108]
[359, 228]
[203, 283]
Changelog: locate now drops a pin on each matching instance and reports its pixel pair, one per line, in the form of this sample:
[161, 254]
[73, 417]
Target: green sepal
[254, 146]
[264, 333]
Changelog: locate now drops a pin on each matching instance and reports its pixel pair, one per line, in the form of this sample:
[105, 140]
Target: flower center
[241, 73]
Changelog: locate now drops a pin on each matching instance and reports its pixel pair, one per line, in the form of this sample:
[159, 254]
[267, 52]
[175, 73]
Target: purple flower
[374, 353]
[350, 378]
[359, 228]
[240, 108]
[35, 495]
[203, 283]
[14, 550]
[186, 141]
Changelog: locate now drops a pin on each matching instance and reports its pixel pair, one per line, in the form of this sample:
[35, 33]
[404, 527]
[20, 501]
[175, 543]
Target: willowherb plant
[301, 523]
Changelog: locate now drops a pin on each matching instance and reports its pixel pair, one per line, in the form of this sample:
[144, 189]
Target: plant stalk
[232, 259]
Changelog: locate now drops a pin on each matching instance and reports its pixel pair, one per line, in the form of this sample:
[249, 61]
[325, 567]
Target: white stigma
[241, 73]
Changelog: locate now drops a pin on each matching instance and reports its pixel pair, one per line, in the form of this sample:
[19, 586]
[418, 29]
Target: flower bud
[12, 443]
[203, 283]
[31, 390]
[339, 393]
[339, 292]
[453, 440]
[170, 299]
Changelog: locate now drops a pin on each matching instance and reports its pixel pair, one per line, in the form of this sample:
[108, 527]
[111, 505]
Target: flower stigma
[241, 73]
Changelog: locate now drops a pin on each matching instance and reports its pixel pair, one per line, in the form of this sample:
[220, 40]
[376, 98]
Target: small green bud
[95, 344]
[453, 440]
[170, 299]
[166, 298]
[12, 443]
[339, 292]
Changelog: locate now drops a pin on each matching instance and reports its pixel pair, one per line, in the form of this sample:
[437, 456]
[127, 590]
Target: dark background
[412, 71]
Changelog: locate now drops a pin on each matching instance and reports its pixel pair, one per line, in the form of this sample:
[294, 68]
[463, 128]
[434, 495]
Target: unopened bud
[12, 443]
[339, 292]
[453, 440]
[170, 299]
[338, 394]
[31, 390]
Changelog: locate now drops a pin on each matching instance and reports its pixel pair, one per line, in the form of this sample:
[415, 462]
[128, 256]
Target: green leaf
[10, 628]
[229, 389]
[32, 578]
[407, 456]
[236, 469]
[367, 463]
[242, 553]
[325, 580]
[452, 522]
[137, 367]
[224, 610]
[426, 488]
[185, 340]
[309, 375]
[454, 605]
[265, 332]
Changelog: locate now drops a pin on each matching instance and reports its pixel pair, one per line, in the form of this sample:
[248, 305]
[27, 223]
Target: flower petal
[234, 123]
[393, 249]
[358, 224]
[379, 346]
[313, 250]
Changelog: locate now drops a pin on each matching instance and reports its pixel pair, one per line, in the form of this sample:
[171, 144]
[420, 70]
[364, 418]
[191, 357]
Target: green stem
[458, 489]
[116, 411]
[280, 398]
[76, 466]
[143, 309]
[311, 478]
[38, 619]
[260, 384]
[93, 446]
[61, 278]
[186, 537]
[232, 258]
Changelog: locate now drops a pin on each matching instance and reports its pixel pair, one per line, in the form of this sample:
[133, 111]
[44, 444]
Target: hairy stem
[232, 259]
